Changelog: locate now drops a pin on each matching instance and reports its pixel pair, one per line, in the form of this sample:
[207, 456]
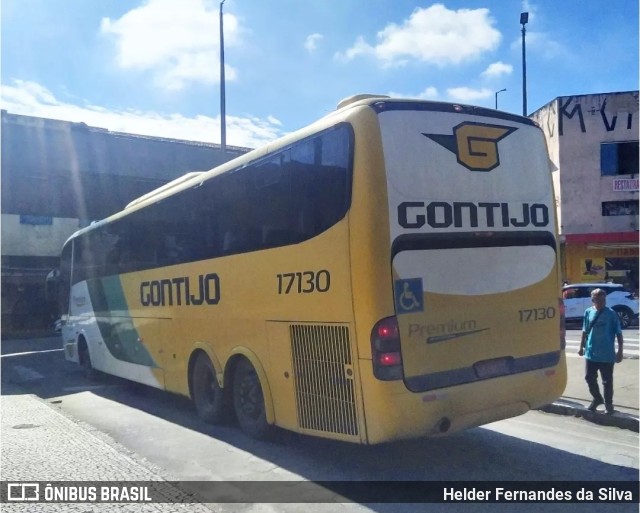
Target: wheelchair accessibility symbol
[409, 296]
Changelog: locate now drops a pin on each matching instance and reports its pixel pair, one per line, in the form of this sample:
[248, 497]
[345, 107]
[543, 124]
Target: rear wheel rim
[625, 318]
[85, 359]
[208, 397]
[250, 399]
[208, 392]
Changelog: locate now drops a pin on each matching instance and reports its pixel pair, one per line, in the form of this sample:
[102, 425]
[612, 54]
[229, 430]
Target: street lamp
[223, 121]
[501, 90]
[524, 19]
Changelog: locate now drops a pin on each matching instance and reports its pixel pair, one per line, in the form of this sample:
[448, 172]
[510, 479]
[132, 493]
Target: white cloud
[178, 46]
[466, 94]
[430, 93]
[27, 93]
[32, 99]
[497, 69]
[311, 43]
[532, 9]
[360, 47]
[542, 44]
[435, 35]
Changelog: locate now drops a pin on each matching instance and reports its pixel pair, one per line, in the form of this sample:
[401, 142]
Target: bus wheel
[208, 397]
[248, 401]
[85, 360]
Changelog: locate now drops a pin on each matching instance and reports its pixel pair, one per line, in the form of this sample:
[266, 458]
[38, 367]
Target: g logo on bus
[475, 144]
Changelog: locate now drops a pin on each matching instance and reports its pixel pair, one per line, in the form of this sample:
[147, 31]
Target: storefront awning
[608, 240]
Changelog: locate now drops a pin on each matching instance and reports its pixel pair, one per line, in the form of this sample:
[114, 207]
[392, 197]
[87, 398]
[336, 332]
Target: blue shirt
[600, 345]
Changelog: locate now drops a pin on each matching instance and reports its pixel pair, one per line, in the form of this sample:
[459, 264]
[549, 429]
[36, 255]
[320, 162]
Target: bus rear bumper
[404, 414]
[446, 426]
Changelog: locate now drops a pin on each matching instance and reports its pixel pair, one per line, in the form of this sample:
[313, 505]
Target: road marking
[630, 350]
[31, 352]
[27, 374]
[85, 388]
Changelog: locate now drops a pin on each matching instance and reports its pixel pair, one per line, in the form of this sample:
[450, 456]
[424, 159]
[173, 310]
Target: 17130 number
[304, 282]
[537, 314]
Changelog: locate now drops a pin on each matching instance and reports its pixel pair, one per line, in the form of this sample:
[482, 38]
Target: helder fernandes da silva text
[605, 494]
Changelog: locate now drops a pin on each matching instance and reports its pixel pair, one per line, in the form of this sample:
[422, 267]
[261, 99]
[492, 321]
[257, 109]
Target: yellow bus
[388, 272]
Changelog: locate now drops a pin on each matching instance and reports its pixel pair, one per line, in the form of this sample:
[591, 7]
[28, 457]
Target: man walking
[600, 328]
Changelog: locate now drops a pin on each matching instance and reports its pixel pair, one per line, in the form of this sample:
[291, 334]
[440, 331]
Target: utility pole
[223, 120]
[501, 90]
[524, 19]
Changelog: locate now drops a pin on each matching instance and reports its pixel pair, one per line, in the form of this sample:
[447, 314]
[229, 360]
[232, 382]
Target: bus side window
[274, 236]
[239, 239]
[144, 249]
[172, 251]
[228, 241]
[319, 180]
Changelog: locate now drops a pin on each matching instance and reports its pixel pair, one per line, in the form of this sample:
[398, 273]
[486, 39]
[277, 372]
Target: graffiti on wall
[610, 109]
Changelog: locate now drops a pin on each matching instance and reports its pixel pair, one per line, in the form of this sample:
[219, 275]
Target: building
[593, 145]
[59, 176]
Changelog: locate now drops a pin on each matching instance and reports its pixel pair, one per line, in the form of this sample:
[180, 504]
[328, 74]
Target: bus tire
[85, 360]
[208, 397]
[248, 402]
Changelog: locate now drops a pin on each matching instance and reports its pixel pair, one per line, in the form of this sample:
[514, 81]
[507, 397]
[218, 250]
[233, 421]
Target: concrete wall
[575, 127]
[24, 239]
[547, 118]
[57, 173]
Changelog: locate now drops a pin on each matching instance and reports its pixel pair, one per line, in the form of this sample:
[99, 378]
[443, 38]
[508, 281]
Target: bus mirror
[53, 275]
[51, 285]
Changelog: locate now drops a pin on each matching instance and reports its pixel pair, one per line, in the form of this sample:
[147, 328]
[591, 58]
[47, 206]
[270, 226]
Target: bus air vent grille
[323, 375]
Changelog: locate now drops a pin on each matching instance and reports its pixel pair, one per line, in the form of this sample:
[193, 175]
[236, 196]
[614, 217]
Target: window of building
[619, 158]
[620, 208]
[36, 220]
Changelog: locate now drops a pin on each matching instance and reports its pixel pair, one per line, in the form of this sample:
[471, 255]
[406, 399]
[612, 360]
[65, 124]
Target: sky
[152, 66]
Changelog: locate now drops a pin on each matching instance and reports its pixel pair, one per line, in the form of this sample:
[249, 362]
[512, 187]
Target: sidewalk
[576, 397]
[42, 444]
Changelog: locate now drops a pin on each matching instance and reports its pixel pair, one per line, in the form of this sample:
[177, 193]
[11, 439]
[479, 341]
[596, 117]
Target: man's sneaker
[609, 409]
[594, 404]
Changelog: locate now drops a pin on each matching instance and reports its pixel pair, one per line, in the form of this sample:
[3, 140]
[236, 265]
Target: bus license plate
[492, 368]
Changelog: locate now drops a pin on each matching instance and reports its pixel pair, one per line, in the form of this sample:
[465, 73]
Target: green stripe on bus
[116, 326]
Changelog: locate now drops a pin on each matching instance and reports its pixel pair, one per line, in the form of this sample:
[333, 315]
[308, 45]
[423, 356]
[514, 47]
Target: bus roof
[165, 187]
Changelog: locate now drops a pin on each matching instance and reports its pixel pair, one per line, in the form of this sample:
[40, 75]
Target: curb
[575, 409]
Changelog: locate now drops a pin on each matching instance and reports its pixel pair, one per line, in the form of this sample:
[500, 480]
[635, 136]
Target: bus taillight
[389, 359]
[385, 350]
[563, 329]
[388, 329]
